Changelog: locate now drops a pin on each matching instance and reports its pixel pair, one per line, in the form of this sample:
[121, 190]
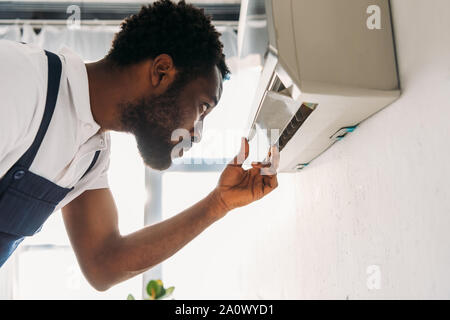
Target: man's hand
[238, 187]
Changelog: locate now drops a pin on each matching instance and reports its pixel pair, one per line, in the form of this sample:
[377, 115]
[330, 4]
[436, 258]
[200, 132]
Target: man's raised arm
[107, 258]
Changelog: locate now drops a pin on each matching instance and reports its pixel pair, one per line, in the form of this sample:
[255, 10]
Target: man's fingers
[270, 183]
[275, 156]
[267, 167]
[242, 155]
[261, 164]
[261, 185]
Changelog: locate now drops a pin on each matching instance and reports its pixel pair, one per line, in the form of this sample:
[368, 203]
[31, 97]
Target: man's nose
[196, 134]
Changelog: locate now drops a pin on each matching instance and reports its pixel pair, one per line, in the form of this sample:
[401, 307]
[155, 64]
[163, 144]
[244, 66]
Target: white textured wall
[381, 196]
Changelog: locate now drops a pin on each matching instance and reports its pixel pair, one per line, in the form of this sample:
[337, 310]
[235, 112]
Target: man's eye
[204, 107]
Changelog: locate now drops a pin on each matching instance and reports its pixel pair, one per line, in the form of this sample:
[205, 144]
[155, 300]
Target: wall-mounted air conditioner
[330, 64]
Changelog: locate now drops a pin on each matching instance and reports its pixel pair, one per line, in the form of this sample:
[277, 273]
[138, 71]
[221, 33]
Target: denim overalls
[26, 199]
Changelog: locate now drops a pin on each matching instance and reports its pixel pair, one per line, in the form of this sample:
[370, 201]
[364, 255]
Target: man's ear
[162, 71]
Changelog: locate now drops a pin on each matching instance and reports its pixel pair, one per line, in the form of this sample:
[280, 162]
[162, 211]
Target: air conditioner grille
[297, 120]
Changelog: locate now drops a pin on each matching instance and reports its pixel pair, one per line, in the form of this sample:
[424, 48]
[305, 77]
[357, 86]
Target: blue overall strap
[54, 75]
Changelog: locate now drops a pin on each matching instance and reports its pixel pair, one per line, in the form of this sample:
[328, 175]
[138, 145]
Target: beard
[152, 120]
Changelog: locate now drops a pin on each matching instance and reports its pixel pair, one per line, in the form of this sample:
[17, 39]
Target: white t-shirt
[72, 137]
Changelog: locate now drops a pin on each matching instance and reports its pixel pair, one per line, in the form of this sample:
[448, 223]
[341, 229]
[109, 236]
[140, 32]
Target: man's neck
[109, 87]
[102, 95]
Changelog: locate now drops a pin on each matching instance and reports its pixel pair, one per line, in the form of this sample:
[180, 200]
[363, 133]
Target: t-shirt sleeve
[101, 182]
[21, 92]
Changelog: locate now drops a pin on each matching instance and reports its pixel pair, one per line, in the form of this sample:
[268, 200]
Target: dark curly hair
[178, 29]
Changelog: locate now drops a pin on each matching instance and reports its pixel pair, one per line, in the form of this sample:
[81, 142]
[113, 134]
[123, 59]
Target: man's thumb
[243, 153]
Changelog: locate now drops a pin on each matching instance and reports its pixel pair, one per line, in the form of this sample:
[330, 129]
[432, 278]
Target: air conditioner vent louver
[297, 120]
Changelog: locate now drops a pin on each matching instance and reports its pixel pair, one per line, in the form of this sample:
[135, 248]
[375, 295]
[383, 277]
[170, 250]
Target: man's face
[183, 106]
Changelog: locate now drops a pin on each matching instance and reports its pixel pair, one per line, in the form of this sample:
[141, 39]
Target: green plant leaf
[168, 292]
[154, 289]
[161, 293]
[130, 297]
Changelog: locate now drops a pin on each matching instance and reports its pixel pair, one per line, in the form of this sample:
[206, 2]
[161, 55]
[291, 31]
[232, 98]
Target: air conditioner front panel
[328, 41]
